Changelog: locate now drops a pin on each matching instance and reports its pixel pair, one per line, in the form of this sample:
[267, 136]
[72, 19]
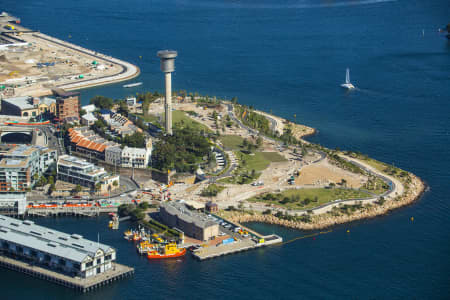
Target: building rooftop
[89, 107]
[18, 156]
[24, 102]
[135, 151]
[73, 247]
[63, 93]
[182, 212]
[89, 117]
[87, 167]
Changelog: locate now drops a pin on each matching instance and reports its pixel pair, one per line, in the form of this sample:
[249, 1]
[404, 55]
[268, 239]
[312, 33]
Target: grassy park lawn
[308, 198]
[149, 118]
[257, 161]
[273, 156]
[181, 119]
[232, 142]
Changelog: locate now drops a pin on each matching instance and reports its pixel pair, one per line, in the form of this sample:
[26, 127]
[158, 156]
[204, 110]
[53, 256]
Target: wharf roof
[72, 247]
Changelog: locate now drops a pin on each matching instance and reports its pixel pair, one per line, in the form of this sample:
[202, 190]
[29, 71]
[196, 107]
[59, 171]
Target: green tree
[102, 102]
[77, 189]
[259, 141]
[98, 187]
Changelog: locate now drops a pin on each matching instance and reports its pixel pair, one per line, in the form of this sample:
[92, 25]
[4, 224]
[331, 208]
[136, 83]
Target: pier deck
[117, 272]
[238, 246]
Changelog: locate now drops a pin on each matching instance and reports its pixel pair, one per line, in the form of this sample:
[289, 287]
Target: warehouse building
[193, 224]
[67, 254]
[27, 106]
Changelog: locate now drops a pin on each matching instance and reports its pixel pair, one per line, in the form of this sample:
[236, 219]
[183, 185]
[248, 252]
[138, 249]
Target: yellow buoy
[412, 219]
[348, 231]
[140, 56]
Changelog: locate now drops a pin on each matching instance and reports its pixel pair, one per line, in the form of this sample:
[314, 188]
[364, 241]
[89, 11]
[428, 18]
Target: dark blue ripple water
[288, 57]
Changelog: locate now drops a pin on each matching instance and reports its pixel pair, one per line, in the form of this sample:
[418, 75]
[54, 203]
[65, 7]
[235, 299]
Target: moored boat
[132, 85]
[169, 251]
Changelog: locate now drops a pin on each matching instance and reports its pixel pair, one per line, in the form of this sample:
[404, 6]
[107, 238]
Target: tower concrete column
[168, 102]
[168, 66]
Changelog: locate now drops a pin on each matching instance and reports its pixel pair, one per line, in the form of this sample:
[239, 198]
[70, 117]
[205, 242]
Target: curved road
[396, 188]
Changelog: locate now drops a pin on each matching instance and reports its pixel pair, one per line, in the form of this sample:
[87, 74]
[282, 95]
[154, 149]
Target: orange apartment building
[67, 104]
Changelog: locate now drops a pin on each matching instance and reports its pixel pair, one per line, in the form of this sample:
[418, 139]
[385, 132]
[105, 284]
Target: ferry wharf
[83, 285]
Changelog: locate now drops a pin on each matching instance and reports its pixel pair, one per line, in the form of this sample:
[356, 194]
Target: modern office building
[20, 168]
[78, 171]
[27, 106]
[192, 223]
[68, 254]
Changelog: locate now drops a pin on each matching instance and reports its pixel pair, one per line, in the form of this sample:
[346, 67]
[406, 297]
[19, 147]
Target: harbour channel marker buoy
[412, 219]
[348, 231]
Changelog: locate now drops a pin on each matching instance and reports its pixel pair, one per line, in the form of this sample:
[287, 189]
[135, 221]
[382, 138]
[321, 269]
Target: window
[89, 264]
[108, 257]
[99, 261]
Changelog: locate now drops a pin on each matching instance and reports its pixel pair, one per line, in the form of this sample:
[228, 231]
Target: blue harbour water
[288, 57]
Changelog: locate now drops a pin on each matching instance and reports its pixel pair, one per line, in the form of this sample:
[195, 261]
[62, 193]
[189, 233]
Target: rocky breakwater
[414, 190]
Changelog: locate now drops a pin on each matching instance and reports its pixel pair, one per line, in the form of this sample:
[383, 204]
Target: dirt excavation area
[41, 64]
[324, 173]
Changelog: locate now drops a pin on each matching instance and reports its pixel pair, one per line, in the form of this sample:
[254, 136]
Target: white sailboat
[347, 85]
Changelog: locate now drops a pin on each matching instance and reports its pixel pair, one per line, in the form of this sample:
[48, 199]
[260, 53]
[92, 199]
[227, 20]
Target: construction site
[31, 63]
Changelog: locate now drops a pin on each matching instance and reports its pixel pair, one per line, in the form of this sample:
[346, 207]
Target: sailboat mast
[347, 76]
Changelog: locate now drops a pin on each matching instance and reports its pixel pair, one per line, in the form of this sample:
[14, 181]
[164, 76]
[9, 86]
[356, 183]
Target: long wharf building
[71, 255]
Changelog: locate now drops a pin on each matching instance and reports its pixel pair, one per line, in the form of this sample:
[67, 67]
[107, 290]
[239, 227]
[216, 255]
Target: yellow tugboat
[169, 251]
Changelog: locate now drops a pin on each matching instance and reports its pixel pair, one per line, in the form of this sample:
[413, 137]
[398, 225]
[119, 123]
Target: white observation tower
[168, 66]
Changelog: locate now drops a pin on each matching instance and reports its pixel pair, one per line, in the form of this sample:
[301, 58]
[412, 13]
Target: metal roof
[182, 212]
[72, 247]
